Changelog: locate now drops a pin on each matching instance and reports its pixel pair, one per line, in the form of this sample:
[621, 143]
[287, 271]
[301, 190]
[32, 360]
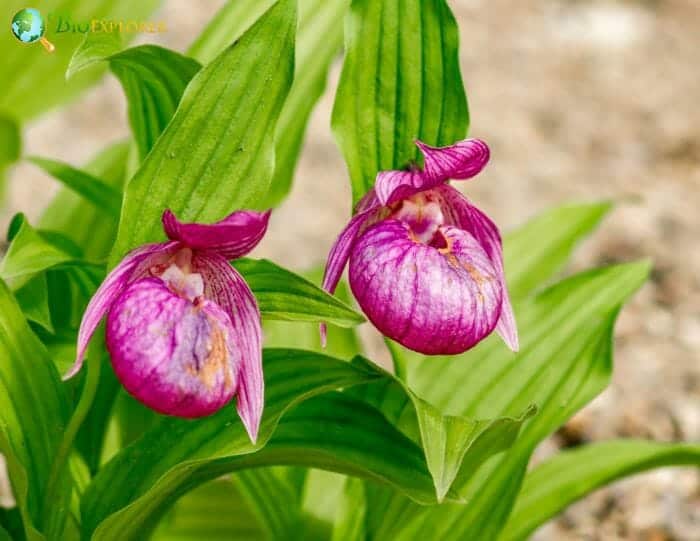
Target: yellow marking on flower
[216, 361]
[475, 274]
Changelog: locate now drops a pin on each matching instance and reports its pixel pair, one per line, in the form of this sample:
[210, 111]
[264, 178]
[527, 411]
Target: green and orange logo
[28, 26]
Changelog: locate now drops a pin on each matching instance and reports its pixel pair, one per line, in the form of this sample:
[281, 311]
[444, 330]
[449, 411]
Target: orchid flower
[426, 266]
[183, 328]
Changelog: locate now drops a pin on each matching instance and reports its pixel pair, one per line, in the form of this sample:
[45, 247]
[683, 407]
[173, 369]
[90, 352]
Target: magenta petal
[338, 256]
[462, 160]
[175, 356]
[232, 237]
[134, 265]
[369, 201]
[466, 216]
[430, 300]
[228, 289]
[391, 186]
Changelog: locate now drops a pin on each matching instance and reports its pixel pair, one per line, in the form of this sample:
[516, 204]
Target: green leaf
[283, 295]
[350, 521]
[163, 469]
[71, 215]
[216, 155]
[33, 80]
[571, 475]
[342, 343]
[400, 82]
[99, 193]
[90, 439]
[216, 511]
[11, 524]
[321, 498]
[537, 250]
[153, 79]
[31, 253]
[565, 360]
[33, 299]
[272, 497]
[10, 141]
[33, 415]
[336, 431]
[319, 39]
[94, 49]
[10, 148]
[229, 24]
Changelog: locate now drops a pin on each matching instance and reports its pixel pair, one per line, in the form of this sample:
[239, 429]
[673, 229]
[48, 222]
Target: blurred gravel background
[579, 100]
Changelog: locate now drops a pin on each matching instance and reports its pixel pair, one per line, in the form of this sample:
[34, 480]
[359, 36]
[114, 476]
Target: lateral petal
[340, 251]
[225, 286]
[338, 256]
[134, 265]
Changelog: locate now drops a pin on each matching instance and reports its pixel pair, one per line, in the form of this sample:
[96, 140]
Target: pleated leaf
[153, 79]
[103, 196]
[319, 37]
[216, 154]
[33, 299]
[565, 360]
[10, 148]
[537, 250]
[400, 82]
[272, 498]
[73, 216]
[32, 252]
[170, 458]
[229, 24]
[216, 511]
[33, 416]
[335, 431]
[571, 475]
[287, 296]
[349, 524]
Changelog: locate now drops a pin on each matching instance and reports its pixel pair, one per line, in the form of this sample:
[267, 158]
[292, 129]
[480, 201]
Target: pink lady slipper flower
[426, 265]
[183, 327]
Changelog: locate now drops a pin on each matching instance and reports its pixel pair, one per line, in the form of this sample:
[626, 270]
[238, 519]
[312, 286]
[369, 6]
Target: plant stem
[398, 358]
[92, 380]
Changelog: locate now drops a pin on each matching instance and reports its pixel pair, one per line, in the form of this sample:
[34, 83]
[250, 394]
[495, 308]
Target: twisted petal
[232, 237]
[440, 299]
[466, 216]
[135, 265]
[228, 289]
[460, 161]
[175, 356]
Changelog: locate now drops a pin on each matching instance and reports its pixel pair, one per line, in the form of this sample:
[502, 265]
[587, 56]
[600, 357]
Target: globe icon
[28, 26]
